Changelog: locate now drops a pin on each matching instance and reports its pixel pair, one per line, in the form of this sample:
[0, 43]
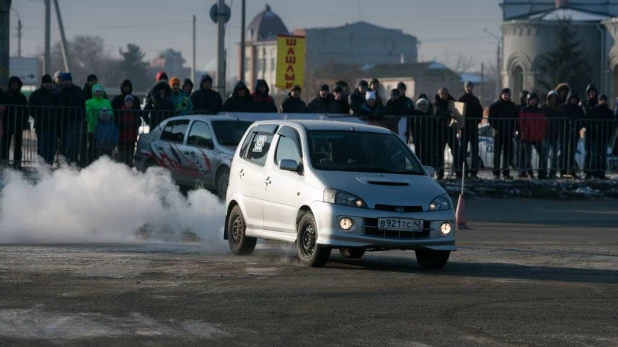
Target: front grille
[393, 208]
[371, 229]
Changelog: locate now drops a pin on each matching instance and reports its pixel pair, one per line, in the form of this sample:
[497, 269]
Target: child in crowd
[128, 126]
[105, 134]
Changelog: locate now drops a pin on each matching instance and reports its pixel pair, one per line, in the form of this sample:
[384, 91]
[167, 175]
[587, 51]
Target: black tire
[221, 183]
[352, 253]
[310, 253]
[432, 259]
[239, 243]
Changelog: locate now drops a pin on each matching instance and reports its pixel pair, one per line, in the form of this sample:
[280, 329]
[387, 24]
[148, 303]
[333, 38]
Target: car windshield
[229, 133]
[358, 151]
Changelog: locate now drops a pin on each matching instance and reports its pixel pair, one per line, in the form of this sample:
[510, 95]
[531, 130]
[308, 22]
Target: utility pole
[5, 41]
[19, 27]
[47, 57]
[63, 39]
[242, 40]
[193, 68]
[482, 81]
[221, 19]
[497, 61]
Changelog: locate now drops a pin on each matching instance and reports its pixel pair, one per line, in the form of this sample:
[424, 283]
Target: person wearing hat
[473, 116]
[293, 103]
[181, 100]
[126, 88]
[402, 88]
[502, 116]
[446, 134]
[532, 124]
[205, 99]
[57, 82]
[43, 103]
[420, 126]
[72, 113]
[356, 100]
[372, 111]
[324, 102]
[394, 109]
[187, 86]
[94, 117]
[91, 80]
[14, 122]
[556, 128]
[599, 129]
[128, 127]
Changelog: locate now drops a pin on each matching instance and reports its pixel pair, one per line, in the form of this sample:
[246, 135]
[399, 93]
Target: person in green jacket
[93, 112]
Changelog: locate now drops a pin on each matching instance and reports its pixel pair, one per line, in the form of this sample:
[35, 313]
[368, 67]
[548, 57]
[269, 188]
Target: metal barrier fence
[545, 147]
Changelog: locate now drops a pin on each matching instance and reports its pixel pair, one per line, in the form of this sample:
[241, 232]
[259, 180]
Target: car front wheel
[240, 244]
[310, 253]
[428, 259]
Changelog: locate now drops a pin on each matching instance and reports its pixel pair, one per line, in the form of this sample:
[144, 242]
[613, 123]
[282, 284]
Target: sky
[445, 28]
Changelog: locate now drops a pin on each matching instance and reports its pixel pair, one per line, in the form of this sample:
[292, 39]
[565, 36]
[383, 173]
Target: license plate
[398, 224]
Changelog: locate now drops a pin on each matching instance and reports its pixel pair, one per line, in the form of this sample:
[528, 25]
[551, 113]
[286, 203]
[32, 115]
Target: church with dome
[528, 32]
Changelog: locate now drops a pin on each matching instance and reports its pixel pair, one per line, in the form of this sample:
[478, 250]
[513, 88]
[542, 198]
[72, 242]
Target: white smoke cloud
[106, 202]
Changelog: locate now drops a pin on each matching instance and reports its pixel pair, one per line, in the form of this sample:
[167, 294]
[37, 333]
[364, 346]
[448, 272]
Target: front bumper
[365, 233]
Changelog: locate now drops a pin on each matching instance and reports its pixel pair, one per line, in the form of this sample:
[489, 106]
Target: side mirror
[430, 171]
[288, 165]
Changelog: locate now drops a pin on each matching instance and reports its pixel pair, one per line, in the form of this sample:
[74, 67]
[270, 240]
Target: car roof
[326, 125]
[207, 117]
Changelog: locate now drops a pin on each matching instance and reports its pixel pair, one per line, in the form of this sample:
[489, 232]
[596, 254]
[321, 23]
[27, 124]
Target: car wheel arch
[231, 205]
[301, 212]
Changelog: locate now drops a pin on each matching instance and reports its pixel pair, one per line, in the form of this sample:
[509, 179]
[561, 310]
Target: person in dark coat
[372, 111]
[502, 116]
[518, 152]
[126, 88]
[592, 100]
[43, 103]
[342, 98]
[324, 102]
[187, 86]
[240, 100]
[420, 127]
[402, 88]
[556, 129]
[600, 124]
[574, 115]
[424, 96]
[446, 133]
[14, 122]
[473, 116]
[563, 90]
[263, 102]
[160, 105]
[293, 103]
[205, 99]
[395, 108]
[374, 85]
[73, 111]
[127, 122]
[357, 99]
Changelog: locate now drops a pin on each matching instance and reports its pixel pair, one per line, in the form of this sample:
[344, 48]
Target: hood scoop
[381, 181]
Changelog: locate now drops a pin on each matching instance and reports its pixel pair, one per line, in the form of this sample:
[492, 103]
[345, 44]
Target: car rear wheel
[428, 259]
[310, 253]
[221, 183]
[240, 244]
[352, 253]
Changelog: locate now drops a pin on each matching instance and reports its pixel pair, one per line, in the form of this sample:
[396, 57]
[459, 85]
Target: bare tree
[459, 62]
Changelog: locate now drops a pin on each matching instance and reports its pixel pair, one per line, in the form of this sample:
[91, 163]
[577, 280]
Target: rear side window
[259, 147]
[174, 131]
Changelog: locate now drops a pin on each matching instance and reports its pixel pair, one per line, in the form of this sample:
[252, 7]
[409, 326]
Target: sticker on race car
[259, 144]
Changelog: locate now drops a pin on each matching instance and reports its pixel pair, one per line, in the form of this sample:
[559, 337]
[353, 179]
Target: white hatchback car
[326, 185]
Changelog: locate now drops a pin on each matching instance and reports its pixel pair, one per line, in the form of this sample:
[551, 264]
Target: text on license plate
[413, 225]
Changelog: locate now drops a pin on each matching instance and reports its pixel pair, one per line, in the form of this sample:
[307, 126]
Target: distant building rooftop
[266, 25]
[425, 69]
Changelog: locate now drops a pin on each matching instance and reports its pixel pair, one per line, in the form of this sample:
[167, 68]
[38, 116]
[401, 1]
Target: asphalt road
[529, 273]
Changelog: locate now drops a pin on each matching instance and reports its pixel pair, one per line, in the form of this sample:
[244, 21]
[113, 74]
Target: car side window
[200, 135]
[258, 149]
[287, 148]
[175, 131]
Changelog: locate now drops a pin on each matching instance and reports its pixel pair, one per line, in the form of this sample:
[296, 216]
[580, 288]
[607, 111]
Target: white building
[528, 32]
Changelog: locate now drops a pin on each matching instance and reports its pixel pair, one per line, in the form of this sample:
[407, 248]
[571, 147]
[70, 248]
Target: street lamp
[497, 59]
[19, 27]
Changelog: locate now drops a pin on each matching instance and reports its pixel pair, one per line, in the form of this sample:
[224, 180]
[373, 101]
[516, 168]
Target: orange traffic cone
[460, 214]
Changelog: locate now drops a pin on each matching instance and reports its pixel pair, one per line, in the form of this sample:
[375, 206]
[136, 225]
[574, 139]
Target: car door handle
[267, 181]
[241, 173]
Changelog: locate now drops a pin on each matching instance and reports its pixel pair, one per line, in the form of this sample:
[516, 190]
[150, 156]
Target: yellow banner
[290, 61]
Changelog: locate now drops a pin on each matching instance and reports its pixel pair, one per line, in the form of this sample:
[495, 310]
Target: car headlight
[441, 203]
[339, 197]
